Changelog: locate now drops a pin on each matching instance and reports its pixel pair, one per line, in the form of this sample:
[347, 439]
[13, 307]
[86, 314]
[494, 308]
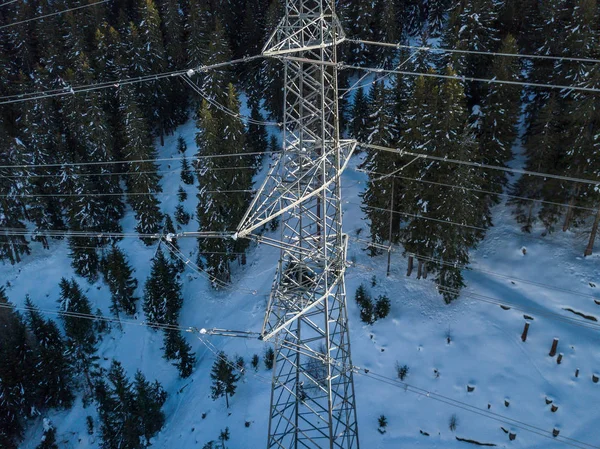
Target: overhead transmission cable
[87, 194]
[454, 186]
[115, 84]
[8, 3]
[468, 78]
[474, 52]
[223, 108]
[137, 161]
[480, 165]
[56, 13]
[476, 410]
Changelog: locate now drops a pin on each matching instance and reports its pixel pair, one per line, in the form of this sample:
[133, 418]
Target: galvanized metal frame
[312, 400]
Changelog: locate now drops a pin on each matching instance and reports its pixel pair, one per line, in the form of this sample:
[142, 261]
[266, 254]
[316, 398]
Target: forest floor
[485, 349]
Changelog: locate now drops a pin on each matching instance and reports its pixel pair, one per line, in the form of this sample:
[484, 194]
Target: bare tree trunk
[419, 269]
[424, 271]
[411, 260]
[590, 247]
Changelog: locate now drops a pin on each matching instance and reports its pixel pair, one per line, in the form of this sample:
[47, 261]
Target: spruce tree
[497, 127]
[271, 69]
[257, 136]
[223, 377]
[221, 133]
[186, 173]
[174, 253]
[55, 388]
[377, 198]
[18, 373]
[360, 116]
[176, 348]
[162, 292]
[81, 336]
[11, 209]
[121, 283]
[148, 401]
[49, 437]
[143, 181]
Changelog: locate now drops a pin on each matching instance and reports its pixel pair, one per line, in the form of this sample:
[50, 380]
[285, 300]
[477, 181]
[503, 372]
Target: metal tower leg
[312, 401]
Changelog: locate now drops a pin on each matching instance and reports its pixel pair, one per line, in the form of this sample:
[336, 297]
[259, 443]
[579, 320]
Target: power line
[128, 173]
[71, 90]
[84, 194]
[93, 317]
[99, 234]
[475, 52]
[51, 14]
[223, 108]
[470, 78]
[421, 217]
[472, 409]
[480, 165]
[453, 186]
[138, 161]
[8, 3]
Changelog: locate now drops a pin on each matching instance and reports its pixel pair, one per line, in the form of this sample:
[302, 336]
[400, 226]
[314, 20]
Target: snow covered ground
[485, 352]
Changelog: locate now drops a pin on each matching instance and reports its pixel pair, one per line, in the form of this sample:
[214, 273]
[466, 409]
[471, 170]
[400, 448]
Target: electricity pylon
[312, 398]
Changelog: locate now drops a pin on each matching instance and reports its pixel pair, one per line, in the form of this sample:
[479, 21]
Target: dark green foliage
[119, 277]
[255, 361]
[402, 371]
[130, 413]
[172, 245]
[81, 336]
[176, 348]
[143, 181]
[218, 209]
[18, 373]
[181, 215]
[360, 116]
[382, 421]
[269, 358]
[224, 436]
[181, 145]
[257, 136]
[186, 173]
[162, 292]
[367, 312]
[181, 194]
[382, 307]
[55, 389]
[223, 377]
[49, 437]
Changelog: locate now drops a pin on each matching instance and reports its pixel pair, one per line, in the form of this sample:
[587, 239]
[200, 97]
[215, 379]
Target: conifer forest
[132, 132]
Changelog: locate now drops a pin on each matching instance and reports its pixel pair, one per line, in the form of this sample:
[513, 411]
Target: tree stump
[555, 432]
[577, 372]
[554, 408]
[525, 332]
[595, 378]
[554, 347]
[512, 436]
[548, 401]
[506, 403]
[470, 389]
[559, 358]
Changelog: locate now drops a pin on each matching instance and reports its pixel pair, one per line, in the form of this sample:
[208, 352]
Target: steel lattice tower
[312, 400]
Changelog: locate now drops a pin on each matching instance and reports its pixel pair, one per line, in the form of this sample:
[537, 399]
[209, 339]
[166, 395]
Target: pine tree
[378, 195]
[217, 51]
[181, 145]
[224, 378]
[147, 405]
[257, 136]
[186, 173]
[55, 389]
[271, 80]
[81, 337]
[11, 209]
[162, 292]
[182, 217]
[360, 116]
[176, 348]
[49, 437]
[142, 182]
[18, 373]
[121, 283]
[436, 15]
[221, 133]
[497, 127]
